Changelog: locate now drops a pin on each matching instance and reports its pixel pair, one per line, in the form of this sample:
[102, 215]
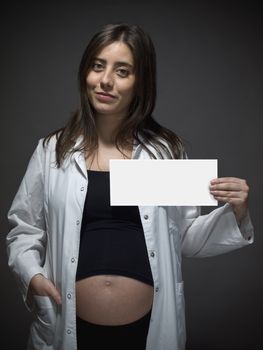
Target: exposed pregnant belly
[112, 300]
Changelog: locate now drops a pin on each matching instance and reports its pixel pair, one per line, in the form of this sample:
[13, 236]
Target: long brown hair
[139, 123]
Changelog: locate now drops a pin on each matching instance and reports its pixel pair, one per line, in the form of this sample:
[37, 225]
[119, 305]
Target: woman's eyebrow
[119, 63]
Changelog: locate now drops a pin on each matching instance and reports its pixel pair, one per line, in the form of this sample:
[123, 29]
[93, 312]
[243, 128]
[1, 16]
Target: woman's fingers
[229, 187]
[229, 199]
[242, 195]
[226, 194]
[42, 286]
[231, 190]
[53, 292]
[227, 179]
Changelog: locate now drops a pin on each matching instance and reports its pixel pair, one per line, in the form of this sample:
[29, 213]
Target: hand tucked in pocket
[42, 286]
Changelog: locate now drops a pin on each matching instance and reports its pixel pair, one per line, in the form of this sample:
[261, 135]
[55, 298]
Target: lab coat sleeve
[215, 233]
[27, 236]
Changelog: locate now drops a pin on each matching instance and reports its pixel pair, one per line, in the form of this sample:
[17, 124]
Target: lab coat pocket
[45, 318]
[180, 306]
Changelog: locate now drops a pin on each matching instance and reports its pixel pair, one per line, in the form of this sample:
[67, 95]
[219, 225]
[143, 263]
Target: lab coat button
[72, 260]
[152, 254]
[68, 331]
[77, 222]
[146, 217]
[157, 289]
[69, 296]
[82, 188]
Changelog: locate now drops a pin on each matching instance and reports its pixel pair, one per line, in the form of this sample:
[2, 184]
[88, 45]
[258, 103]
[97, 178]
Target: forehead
[116, 51]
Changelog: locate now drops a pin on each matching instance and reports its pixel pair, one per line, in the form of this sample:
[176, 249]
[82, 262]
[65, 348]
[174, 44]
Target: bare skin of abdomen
[112, 299]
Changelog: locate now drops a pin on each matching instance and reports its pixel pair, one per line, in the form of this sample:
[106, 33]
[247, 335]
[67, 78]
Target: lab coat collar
[79, 159]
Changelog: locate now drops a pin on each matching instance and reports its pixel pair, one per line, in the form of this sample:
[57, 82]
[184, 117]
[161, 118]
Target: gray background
[209, 92]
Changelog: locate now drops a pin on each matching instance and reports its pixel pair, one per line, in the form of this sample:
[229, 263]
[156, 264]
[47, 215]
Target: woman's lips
[104, 97]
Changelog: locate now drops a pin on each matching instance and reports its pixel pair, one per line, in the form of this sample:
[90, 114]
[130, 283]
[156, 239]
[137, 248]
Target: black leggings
[131, 336]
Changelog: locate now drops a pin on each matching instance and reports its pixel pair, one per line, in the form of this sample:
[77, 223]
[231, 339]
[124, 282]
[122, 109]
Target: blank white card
[162, 181]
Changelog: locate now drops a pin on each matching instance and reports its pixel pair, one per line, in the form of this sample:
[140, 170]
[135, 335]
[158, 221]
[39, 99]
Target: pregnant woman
[97, 275]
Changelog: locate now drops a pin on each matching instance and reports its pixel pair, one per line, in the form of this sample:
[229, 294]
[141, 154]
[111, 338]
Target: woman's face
[111, 80]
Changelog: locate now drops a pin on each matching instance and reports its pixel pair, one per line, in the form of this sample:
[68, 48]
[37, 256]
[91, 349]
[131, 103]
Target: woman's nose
[106, 80]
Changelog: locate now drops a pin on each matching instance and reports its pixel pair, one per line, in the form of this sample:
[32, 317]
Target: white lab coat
[46, 216]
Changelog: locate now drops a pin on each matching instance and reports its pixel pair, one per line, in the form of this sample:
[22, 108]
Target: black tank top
[112, 239]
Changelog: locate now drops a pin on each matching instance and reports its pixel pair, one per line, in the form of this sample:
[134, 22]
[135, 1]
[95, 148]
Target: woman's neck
[107, 127]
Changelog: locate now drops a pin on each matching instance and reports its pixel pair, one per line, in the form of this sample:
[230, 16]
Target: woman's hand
[40, 285]
[234, 191]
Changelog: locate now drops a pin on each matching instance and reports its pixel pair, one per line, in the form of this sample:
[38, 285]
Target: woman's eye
[123, 72]
[97, 66]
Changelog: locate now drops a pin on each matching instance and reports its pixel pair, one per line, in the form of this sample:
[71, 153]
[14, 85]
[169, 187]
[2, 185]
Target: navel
[108, 283]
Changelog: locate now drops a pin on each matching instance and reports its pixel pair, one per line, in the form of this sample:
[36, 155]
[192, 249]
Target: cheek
[128, 90]
[91, 80]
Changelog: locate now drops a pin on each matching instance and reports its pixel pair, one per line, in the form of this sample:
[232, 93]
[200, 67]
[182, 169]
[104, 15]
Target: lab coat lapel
[80, 162]
[78, 158]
